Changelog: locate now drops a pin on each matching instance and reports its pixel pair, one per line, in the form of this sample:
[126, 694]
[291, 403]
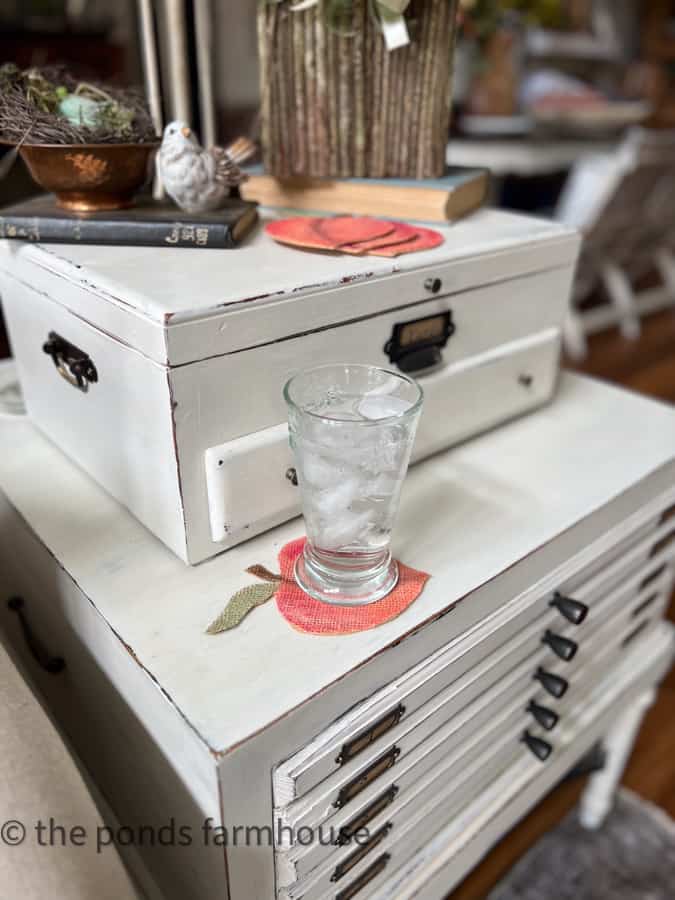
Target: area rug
[632, 857]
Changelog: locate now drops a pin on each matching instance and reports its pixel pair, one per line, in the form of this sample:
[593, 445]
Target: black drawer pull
[573, 610]
[51, 664]
[364, 878]
[360, 821]
[361, 782]
[71, 363]
[563, 647]
[554, 684]
[644, 605]
[539, 747]
[543, 715]
[635, 632]
[647, 580]
[360, 853]
[667, 514]
[371, 734]
[662, 544]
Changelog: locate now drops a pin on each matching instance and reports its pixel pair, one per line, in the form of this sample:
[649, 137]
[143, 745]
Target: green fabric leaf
[240, 605]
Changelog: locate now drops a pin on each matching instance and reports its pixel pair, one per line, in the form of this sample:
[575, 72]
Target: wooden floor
[647, 366]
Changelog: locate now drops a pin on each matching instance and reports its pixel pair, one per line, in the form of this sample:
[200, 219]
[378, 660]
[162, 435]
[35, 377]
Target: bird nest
[49, 106]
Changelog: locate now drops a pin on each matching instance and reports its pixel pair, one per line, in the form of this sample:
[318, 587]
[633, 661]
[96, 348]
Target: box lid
[179, 305]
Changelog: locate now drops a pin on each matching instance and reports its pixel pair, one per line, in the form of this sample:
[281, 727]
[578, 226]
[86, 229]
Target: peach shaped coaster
[312, 616]
[309, 615]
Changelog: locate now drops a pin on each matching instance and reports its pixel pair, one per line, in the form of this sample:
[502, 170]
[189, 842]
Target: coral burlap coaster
[315, 617]
[307, 614]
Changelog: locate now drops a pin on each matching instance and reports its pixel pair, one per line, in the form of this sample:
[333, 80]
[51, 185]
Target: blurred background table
[522, 156]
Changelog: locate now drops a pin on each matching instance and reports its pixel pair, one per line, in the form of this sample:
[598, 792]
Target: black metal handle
[51, 664]
[554, 684]
[72, 364]
[563, 647]
[543, 715]
[573, 610]
[539, 747]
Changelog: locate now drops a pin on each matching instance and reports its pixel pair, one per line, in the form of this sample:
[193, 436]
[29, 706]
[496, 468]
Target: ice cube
[342, 529]
[319, 471]
[383, 407]
[335, 500]
[383, 485]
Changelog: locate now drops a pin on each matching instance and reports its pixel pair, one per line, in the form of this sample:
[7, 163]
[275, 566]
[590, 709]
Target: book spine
[129, 234]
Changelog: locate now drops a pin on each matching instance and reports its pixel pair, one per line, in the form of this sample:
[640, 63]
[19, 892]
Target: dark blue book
[148, 224]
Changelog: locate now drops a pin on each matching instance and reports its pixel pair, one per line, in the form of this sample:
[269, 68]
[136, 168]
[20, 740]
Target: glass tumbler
[351, 429]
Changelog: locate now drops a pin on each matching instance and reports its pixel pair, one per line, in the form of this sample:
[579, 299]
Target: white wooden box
[191, 349]
[244, 730]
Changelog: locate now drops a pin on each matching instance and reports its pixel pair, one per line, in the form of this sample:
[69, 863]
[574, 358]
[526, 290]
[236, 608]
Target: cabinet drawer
[469, 663]
[440, 792]
[438, 866]
[335, 804]
[441, 799]
[455, 777]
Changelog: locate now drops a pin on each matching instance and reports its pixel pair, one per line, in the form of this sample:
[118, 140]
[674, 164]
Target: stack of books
[160, 224]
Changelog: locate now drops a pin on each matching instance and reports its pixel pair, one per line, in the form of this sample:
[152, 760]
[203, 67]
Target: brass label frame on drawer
[365, 738]
[371, 872]
[360, 820]
[361, 852]
[356, 785]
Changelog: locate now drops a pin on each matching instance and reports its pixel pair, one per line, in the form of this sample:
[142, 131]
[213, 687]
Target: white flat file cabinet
[378, 765]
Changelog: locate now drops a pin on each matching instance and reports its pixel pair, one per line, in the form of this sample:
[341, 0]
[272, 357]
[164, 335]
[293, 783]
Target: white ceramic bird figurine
[199, 180]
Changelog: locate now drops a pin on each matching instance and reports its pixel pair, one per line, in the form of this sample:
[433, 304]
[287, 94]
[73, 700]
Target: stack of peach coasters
[359, 235]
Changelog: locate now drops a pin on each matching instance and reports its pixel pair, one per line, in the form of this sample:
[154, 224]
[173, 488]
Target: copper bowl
[90, 177]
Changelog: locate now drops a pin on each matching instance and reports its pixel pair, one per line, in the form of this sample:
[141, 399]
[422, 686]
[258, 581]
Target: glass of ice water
[351, 429]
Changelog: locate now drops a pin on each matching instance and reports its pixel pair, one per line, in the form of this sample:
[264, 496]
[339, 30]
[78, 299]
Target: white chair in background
[624, 204]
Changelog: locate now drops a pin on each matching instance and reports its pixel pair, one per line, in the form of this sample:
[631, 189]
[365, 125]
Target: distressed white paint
[423, 811]
[460, 672]
[568, 498]
[553, 485]
[507, 287]
[458, 847]
[204, 417]
[600, 651]
[100, 701]
[247, 481]
[121, 429]
[177, 288]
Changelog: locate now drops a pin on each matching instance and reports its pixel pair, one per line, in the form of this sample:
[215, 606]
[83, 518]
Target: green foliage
[50, 106]
[117, 118]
